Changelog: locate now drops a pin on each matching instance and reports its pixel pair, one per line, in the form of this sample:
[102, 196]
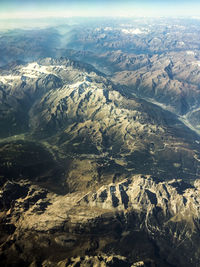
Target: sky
[87, 8]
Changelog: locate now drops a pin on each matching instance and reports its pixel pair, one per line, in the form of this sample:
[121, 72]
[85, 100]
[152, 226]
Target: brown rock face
[140, 211]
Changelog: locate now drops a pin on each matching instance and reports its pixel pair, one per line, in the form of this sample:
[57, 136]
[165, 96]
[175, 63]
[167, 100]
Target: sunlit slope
[81, 116]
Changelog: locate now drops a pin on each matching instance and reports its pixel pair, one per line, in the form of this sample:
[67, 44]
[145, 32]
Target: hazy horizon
[13, 9]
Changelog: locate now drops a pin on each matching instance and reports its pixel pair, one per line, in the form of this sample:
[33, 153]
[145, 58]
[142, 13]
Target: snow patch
[181, 43]
[196, 63]
[189, 52]
[78, 84]
[33, 69]
[133, 31]
[75, 85]
[9, 79]
[108, 29]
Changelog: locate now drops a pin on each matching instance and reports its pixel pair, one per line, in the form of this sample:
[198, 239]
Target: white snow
[189, 52]
[108, 29]
[181, 43]
[29, 75]
[60, 67]
[196, 63]
[77, 85]
[32, 70]
[9, 79]
[132, 31]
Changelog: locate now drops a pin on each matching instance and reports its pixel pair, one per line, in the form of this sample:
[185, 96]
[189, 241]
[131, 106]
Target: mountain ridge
[80, 191]
[140, 204]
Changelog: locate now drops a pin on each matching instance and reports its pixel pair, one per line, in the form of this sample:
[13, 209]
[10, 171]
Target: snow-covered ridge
[32, 70]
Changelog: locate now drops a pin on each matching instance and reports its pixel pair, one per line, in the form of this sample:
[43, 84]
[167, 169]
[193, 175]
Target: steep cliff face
[138, 218]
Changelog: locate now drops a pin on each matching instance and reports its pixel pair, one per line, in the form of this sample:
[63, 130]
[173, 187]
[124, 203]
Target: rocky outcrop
[137, 211]
[100, 260]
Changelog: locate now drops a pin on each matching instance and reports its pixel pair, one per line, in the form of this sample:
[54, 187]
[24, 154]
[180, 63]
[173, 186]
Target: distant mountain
[170, 79]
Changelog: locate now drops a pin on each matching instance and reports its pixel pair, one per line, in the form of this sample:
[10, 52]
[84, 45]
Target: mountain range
[99, 145]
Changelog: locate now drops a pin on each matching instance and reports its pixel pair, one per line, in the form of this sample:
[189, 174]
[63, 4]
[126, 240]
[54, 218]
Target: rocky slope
[90, 126]
[171, 79]
[157, 59]
[72, 147]
[146, 221]
[86, 163]
[142, 36]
